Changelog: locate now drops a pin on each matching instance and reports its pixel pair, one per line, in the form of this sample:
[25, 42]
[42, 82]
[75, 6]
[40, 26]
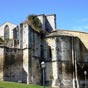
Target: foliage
[34, 22]
[1, 40]
[17, 85]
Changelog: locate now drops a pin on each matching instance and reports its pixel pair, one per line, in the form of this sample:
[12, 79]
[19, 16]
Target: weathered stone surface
[65, 54]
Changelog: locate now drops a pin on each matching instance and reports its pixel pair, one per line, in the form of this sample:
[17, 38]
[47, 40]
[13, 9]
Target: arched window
[16, 36]
[6, 32]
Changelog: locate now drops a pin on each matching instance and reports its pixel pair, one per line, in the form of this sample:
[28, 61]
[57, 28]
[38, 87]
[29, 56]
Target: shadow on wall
[48, 26]
[82, 65]
[13, 66]
[82, 62]
[48, 69]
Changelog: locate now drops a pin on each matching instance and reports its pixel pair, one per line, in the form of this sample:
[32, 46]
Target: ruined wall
[13, 64]
[51, 22]
[26, 65]
[21, 36]
[35, 57]
[11, 27]
[42, 19]
[61, 73]
[26, 53]
[69, 61]
[52, 66]
[65, 54]
[48, 22]
[31, 55]
[26, 35]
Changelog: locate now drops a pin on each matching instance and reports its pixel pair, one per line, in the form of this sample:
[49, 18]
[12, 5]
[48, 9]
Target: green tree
[34, 22]
[2, 41]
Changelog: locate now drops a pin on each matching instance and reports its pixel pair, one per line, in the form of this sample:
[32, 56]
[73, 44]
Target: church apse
[70, 55]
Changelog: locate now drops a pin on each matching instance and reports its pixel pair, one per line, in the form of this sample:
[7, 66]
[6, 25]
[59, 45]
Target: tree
[34, 22]
[2, 41]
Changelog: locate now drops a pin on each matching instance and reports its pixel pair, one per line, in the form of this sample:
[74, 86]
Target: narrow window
[6, 32]
[49, 52]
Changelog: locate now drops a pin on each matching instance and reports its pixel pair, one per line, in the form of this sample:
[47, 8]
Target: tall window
[16, 36]
[6, 32]
[49, 53]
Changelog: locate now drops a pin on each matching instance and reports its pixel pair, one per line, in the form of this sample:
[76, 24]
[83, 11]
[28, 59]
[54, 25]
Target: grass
[17, 85]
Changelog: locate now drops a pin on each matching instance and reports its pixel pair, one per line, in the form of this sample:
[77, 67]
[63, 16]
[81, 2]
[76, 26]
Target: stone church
[64, 52]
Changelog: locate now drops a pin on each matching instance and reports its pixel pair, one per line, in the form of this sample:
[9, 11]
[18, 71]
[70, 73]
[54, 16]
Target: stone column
[55, 81]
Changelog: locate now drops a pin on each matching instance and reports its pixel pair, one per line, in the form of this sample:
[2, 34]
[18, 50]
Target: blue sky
[71, 14]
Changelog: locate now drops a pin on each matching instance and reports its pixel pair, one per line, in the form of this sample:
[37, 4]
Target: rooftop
[83, 36]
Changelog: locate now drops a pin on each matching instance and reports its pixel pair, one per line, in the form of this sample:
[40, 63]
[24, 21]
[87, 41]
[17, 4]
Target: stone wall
[48, 22]
[51, 22]
[1, 62]
[26, 65]
[13, 64]
[32, 55]
[64, 52]
[68, 62]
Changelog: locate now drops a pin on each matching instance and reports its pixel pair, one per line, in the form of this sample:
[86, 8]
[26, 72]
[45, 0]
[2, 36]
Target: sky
[70, 14]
